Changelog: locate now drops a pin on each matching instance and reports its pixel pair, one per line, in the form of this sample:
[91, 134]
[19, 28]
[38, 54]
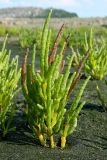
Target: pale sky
[84, 8]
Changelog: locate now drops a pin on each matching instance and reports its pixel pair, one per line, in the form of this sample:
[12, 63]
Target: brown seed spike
[23, 71]
[65, 46]
[62, 65]
[78, 73]
[54, 48]
[66, 42]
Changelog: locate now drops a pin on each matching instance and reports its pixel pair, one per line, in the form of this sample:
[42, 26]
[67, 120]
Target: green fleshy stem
[63, 142]
[41, 139]
[63, 138]
[52, 143]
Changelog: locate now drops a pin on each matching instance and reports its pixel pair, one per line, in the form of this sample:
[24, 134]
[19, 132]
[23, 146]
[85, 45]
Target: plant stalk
[41, 139]
[63, 142]
[52, 143]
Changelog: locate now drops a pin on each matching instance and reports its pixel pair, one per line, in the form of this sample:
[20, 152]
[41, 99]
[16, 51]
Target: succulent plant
[96, 65]
[47, 91]
[9, 77]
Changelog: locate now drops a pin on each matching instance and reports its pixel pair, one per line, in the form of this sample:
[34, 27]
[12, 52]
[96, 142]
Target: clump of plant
[9, 30]
[25, 38]
[13, 30]
[48, 90]
[2, 30]
[102, 97]
[96, 65]
[9, 77]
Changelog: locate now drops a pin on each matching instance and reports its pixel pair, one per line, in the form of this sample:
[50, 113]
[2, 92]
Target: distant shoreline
[54, 22]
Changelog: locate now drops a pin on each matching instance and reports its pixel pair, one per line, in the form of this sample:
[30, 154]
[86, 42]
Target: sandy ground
[89, 142]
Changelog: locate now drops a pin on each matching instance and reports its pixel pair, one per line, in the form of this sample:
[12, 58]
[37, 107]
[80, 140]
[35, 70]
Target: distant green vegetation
[9, 30]
[58, 13]
[29, 36]
[77, 38]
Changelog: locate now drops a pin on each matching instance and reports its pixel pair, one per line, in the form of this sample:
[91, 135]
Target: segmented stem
[54, 48]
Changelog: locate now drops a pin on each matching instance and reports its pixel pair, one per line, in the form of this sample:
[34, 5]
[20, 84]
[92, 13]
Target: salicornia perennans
[47, 91]
[96, 65]
[9, 77]
[101, 96]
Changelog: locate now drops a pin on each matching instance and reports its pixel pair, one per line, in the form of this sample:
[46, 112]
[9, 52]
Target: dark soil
[89, 141]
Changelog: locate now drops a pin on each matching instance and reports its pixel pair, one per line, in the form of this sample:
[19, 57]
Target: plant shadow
[100, 143]
[22, 134]
[90, 106]
[21, 137]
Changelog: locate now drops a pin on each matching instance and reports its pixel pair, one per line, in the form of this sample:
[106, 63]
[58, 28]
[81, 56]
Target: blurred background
[78, 12]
